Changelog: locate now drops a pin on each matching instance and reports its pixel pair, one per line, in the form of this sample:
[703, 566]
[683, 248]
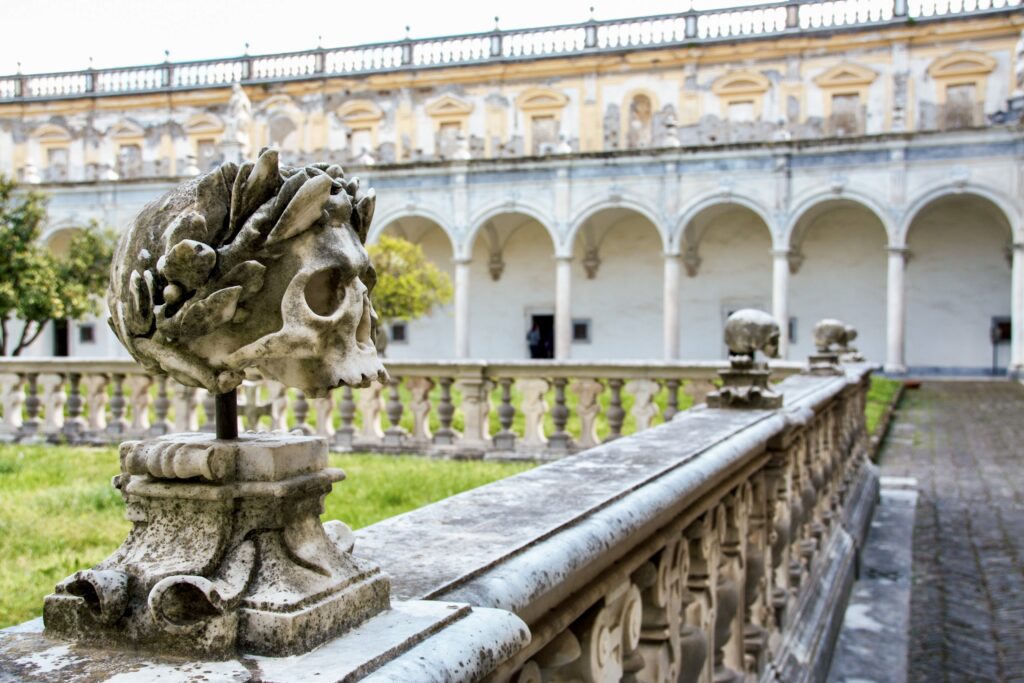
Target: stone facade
[849, 168]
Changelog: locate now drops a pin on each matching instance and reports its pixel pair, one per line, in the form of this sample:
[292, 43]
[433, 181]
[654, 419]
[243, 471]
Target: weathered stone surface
[226, 553]
[257, 265]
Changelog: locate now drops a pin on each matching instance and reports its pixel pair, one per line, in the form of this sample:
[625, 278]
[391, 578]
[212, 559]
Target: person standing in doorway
[533, 340]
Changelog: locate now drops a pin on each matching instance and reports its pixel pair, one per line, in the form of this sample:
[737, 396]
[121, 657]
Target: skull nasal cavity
[324, 292]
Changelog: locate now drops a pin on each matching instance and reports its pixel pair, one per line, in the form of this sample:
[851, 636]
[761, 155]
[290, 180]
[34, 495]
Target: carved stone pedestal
[745, 385]
[226, 554]
[824, 363]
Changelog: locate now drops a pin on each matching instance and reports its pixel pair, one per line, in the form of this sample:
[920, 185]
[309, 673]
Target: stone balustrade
[504, 409]
[718, 546]
[693, 27]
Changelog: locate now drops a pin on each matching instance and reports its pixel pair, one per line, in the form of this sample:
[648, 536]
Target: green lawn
[59, 513]
[879, 397]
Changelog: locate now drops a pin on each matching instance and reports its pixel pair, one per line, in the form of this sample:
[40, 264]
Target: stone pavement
[964, 443]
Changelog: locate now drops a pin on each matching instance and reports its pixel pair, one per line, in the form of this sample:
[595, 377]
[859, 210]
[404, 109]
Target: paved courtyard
[964, 442]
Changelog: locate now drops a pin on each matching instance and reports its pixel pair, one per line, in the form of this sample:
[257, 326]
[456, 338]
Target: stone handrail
[440, 407]
[717, 547]
[693, 27]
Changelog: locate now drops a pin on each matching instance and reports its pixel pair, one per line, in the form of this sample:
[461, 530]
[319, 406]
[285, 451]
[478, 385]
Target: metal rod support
[226, 415]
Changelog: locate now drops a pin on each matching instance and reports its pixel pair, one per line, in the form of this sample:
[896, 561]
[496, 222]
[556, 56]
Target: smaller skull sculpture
[750, 330]
[832, 335]
[253, 266]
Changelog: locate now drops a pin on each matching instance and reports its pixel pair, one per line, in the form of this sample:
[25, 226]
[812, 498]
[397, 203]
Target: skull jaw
[317, 377]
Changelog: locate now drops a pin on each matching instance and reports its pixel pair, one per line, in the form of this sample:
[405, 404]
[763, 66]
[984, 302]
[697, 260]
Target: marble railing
[533, 409]
[720, 546]
[693, 27]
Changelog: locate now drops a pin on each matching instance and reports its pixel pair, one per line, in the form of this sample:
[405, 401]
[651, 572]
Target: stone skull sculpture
[252, 266]
[750, 330]
[833, 335]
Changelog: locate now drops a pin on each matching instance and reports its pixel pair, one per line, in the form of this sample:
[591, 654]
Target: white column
[1017, 311]
[462, 307]
[780, 297]
[563, 307]
[896, 318]
[670, 306]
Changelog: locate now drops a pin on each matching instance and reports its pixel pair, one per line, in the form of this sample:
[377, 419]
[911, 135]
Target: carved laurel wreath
[170, 288]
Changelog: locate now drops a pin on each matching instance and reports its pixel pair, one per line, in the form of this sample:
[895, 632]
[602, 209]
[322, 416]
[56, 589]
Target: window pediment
[204, 123]
[740, 83]
[538, 98]
[448, 105]
[126, 129]
[359, 111]
[50, 132]
[962, 64]
[846, 75]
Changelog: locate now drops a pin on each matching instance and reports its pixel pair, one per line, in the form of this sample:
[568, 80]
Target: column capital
[671, 255]
[781, 253]
[563, 258]
[462, 260]
[899, 251]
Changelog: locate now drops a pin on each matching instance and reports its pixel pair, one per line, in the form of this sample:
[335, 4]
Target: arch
[815, 199]
[701, 204]
[480, 218]
[58, 238]
[953, 189]
[611, 202]
[381, 224]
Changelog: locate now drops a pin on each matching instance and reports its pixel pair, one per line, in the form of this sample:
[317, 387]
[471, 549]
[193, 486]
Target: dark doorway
[540, 338]
[61, 346]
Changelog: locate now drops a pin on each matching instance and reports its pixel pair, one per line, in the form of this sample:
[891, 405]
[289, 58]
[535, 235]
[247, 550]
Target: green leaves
[36, 285]
[408, 285]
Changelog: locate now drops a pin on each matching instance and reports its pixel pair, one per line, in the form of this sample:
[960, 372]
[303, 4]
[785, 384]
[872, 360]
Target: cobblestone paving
[964, 442]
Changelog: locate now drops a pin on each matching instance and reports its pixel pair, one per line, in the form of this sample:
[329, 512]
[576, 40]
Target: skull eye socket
[324, 292]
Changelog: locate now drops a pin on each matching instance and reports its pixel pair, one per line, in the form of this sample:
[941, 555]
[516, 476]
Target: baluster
[96, 404]
[324, 408]
[161, 406]
[644, 409]
[419, 404]
[250, 409]
[12, 386]
[672, 404]
[560, 441]
[698, 389]
[371, 404]
[476, 409]
[445, 436]
[184, 402]
[30, 427]
[588, 407]
[277, 396]
[53, 404]
[534, 408]
[505, 440]
[118, 425]
[300, 407]
[615, 412]
[209, 403]
[139, 399]
[345, 436]
[395, 436]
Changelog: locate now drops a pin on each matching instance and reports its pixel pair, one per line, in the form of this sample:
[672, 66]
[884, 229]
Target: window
[960, 105]
[581, 331]
[206, 154]
[129, 161]
[543, 134]
[846, 114]
[399, 333]
[741, 112]
[448, 138]
[86, 334]
[360, 139]
[57, 163]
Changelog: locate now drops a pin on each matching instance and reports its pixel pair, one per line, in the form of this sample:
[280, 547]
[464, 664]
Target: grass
[59, 513]
[880, 395]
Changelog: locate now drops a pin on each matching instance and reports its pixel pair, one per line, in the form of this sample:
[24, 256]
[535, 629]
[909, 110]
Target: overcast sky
[60, 35]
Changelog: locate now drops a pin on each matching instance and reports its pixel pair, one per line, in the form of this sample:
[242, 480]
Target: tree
[408, 285]
[35, 285]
